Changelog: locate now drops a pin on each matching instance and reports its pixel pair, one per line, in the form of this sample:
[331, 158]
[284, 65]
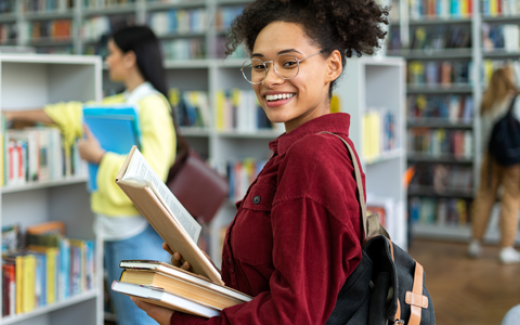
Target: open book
[165, 213]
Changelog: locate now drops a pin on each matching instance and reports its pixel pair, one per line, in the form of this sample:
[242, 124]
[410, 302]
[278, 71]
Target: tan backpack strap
[359, 182]
[415, 298]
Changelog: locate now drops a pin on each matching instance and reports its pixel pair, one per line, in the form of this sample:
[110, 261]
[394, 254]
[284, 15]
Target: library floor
[465, 291]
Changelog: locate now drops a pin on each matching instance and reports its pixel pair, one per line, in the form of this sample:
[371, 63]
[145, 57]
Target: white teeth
[278, 97]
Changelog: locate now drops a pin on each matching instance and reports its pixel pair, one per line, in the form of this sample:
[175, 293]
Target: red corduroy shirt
[297, 233]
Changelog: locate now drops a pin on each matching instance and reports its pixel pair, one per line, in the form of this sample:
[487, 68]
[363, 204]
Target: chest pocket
[252, 234]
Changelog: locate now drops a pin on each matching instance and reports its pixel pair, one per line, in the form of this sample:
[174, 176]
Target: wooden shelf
[439, 89]
[165, 5]
[110, 10]
[182, 35]
[435, 20]
[432, 54]
[498, 54]
[8, 18]
[438, 160]
[46, 309]
[47, 15]
[194, 132]
[444, 194]
[258, 134]
[501, 19]
[43, 184]
[384, 156]
[437, 124]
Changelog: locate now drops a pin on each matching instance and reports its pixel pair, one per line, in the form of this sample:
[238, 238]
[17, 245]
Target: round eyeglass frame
[274, 67]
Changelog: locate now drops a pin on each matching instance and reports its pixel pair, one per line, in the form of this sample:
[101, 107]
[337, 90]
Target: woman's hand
[89, 148]
[177, 258]
[160, 314]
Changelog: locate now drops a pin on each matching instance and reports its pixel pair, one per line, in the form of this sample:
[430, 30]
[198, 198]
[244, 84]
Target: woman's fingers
[186, 266]
[167, 248]
[160, 314]
[176, 259]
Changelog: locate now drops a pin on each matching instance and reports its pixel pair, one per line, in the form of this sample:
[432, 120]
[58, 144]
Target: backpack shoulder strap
[371, 225]
[357, 172]
[512, 104]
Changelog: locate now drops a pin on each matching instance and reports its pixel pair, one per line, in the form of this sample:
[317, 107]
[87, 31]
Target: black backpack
[504, 143]
[387, 287]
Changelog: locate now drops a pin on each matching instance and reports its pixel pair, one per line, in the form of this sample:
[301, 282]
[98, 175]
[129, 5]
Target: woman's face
[116, 62]
[306, 95]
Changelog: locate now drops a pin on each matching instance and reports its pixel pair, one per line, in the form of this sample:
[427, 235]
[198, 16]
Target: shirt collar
[139, 93]
[335, 123]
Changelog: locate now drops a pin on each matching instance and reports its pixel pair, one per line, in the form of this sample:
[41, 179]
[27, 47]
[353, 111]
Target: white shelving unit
[379, 83]
[31, 81]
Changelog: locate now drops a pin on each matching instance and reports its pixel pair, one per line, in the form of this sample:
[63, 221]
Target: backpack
[504, 143]
[387, 287]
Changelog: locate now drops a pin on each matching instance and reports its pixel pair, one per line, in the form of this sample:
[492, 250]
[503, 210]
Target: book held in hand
[183, 284]
[165, 213]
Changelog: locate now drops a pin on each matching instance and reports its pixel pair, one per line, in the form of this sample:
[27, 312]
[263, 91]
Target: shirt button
[256, 199]
[229, 260]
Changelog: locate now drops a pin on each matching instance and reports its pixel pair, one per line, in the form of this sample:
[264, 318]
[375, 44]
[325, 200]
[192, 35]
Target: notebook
[117, 129]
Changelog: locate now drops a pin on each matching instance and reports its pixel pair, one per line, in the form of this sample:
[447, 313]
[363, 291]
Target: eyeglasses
[285, 65]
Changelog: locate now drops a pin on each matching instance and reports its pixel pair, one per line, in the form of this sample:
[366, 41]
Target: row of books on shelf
[37, 154]
[95, 27]
[45, 268]
[449, 108]
[59, 29]
[178, 21]
[490, 66]
[7, 6]
[240, 174]
[440, 143]
[495, 8]
[441, 212]
[379, 133]
[8, 32]
[433, 38]
[441, 178]
[239, 110]
[66, 49]
[184, 49]
[433, 73]
[440, 8]
[105, 3]
[47, 5]
[191, 108]
[506, 37]
[225, 16]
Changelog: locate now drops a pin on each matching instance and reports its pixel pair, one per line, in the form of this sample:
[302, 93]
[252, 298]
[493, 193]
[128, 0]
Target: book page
[140, 171]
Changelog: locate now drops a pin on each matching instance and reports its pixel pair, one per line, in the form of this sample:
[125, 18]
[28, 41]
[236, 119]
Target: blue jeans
[144, 246]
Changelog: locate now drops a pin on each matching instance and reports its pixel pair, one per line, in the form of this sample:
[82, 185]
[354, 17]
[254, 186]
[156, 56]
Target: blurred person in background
[495, 103]
[134, 59]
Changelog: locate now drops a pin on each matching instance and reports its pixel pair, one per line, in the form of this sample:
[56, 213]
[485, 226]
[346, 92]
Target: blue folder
[117, 129]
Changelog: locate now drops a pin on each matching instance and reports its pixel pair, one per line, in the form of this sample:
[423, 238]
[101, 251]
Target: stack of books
[202, 293]
[176, 288]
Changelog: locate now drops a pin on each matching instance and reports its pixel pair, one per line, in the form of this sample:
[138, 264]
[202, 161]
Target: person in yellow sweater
[134, 59]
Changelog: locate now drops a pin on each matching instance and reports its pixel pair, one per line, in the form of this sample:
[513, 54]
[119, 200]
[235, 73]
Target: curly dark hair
[349, 26]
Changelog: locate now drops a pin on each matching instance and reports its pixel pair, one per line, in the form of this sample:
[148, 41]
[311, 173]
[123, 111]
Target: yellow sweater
[158, 147]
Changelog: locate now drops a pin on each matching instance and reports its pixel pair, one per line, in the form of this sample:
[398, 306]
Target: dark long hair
[143, 42]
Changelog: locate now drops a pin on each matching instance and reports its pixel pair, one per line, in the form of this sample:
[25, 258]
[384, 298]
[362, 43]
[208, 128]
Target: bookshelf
[31, 81]
[363, 78]
[405, 41]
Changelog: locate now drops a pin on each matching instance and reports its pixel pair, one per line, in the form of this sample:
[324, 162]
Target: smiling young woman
[297, 233]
